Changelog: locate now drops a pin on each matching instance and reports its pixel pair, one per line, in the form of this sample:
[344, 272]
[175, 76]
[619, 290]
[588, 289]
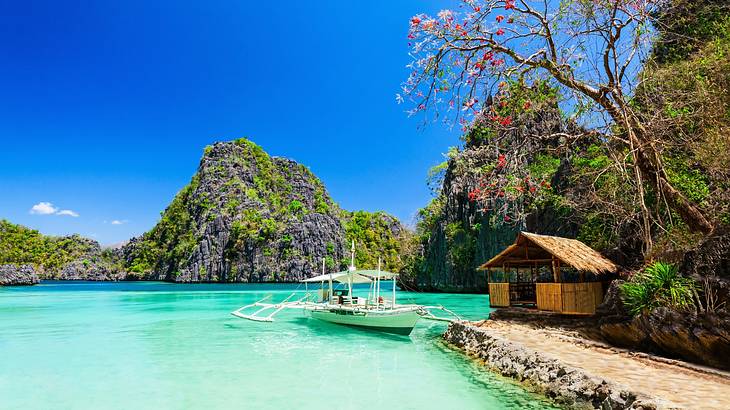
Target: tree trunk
[650, 164]
[648, 161]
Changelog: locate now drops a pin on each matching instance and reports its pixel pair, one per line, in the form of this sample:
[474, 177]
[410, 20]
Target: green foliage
[658, 285]
[172, 239]
[320, 203]
[374, 238]
[596, 232]
[687, 26]
[21, 245]
[544, 167]
[435, 177]
[461, 242]
[691, 182]
[296, 207]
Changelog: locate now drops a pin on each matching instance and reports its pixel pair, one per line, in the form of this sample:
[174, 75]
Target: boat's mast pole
[352, 268]
[393, 307]
[377, 283]
[329, 293]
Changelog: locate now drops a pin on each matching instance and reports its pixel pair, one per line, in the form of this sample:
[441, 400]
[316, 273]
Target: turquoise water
[144, 345]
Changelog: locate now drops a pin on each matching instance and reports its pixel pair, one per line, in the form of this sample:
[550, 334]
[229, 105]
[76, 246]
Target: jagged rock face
[90, 262]
[245, 217]
[14, 275]
[709, 265]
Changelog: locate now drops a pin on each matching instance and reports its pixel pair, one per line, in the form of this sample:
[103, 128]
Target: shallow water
[148, 345]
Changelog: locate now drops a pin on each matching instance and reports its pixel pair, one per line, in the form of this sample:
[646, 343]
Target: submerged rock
[18, 275]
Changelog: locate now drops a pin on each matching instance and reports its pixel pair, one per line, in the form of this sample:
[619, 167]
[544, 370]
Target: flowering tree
[591, 51]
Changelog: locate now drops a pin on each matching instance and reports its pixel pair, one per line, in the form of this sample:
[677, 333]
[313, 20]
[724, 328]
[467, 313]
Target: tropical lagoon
[151, 345]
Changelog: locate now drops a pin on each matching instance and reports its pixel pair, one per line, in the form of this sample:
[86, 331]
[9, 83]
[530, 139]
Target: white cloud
[118, 222]
[43, 208]
[47, 208]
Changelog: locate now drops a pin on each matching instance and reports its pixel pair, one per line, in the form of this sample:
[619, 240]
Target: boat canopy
[358, 276]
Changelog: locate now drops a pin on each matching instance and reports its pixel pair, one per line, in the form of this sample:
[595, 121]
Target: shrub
[659, 284]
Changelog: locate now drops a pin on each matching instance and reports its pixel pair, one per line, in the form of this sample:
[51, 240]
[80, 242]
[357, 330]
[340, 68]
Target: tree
[591, 51]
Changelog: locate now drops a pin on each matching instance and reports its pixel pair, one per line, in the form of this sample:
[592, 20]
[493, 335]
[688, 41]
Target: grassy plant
[659, 284]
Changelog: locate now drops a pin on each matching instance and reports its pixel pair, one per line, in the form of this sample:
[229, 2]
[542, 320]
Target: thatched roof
[531, 249]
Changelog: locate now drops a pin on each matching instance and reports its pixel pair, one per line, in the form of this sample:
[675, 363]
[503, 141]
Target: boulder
[697, 337]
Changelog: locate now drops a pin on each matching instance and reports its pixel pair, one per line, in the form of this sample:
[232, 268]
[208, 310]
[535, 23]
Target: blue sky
[106, 106]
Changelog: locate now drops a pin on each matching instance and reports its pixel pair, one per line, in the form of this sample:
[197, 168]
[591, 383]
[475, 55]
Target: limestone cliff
[250, 217]
[456, 236]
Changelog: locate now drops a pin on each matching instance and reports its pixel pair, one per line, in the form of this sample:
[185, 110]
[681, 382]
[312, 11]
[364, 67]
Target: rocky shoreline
[23, 275]
[566, 385]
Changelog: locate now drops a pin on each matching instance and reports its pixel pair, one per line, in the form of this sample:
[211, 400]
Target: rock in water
[244, 217]
[13, 275]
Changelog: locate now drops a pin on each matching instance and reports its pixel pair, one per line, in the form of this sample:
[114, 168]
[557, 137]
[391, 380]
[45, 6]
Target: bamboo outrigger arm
[264, 307]
[426, 313]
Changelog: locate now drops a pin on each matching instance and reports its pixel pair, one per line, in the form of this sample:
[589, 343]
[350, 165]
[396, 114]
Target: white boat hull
[398, 322]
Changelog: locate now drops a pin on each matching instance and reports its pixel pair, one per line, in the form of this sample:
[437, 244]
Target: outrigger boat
[340, 306]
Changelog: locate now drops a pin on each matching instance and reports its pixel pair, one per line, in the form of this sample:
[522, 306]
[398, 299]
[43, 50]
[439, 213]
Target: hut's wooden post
[582, 276]
[556, 270]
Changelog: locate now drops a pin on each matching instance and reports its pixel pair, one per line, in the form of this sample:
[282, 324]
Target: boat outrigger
[340, 306]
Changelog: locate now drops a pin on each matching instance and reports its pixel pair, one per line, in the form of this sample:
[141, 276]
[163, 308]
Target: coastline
[583, 374]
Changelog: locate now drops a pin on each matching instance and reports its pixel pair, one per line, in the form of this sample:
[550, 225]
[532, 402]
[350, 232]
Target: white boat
[373, 312]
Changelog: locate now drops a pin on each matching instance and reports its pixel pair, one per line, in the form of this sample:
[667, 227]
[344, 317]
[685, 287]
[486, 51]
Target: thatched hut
[552, 273]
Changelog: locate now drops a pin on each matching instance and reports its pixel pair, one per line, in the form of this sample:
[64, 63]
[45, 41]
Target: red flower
[501, 162]
[499, 32]
[500, 18]
[472, 196]
[533, 189]
[509, 4]
[507, 218]
[506, 121]
[527, 105]
[415, 21]
[488, 56]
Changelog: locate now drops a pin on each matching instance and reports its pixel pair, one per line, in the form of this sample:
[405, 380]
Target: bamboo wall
[570, 298]
[582, 298]
[549, 296]
[499, 294]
